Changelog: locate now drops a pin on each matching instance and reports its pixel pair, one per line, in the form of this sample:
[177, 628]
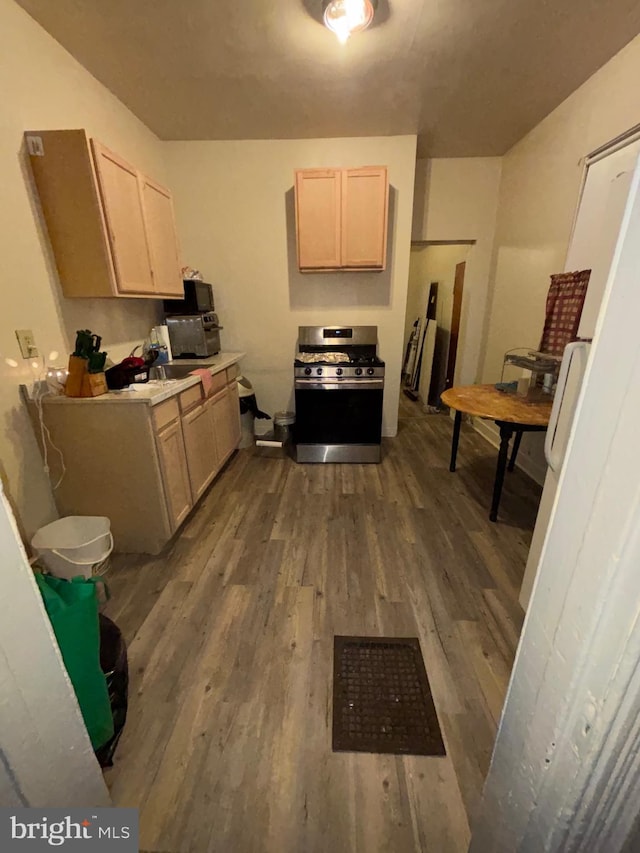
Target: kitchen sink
[177, 371]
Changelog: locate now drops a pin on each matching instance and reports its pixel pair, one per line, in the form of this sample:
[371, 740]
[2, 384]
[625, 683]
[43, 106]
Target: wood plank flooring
[230, 631]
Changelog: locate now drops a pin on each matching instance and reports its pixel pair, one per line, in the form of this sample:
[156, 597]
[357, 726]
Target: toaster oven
[194, 335]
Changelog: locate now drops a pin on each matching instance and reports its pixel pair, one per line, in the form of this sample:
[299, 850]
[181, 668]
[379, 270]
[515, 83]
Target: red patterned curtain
[564, 307]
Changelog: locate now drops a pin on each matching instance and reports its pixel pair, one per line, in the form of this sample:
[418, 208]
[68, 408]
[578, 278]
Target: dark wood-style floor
[228, 743]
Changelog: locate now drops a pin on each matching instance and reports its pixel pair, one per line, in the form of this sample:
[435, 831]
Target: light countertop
[154, 392]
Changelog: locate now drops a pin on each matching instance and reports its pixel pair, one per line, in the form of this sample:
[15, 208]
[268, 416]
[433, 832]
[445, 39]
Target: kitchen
[225, 193]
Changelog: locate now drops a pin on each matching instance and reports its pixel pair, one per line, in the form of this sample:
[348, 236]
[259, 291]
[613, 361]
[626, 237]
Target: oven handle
[342, 385]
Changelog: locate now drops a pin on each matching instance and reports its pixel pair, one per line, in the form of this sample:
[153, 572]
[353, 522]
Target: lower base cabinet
[175, 475]
[200, 447]
[144, 467]
[224, 424]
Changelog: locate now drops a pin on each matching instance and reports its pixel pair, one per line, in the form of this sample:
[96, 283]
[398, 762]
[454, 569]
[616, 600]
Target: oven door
[341, 413]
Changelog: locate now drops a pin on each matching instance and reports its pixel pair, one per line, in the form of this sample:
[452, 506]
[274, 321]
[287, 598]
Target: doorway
[432, 332]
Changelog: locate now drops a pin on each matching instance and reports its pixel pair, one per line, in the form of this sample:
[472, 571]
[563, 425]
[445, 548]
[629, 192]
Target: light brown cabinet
[111, 228]
[142, 466]
[162, 240]
[226, 419]
[364, 218]
[318, 218]
[175, 475]
[341, 218]
[122, 203]
[200, 446]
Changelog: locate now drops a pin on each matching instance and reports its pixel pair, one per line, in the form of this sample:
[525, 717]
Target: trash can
[283, 426]
[74, 545]
[249, 411]
[114, 665]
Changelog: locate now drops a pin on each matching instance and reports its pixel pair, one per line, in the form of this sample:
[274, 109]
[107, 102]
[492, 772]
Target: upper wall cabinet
[122, 204]
[111, 228]
[318, 195]
[341, 218]
[157, 209]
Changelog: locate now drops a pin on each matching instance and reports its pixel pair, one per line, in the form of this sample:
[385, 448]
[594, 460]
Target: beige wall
[541, 179]
[417, 290]
[457, 199]
[235, 212]
[43, 87]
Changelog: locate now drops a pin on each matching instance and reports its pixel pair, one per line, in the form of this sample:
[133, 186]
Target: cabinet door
[223, 425]
[121, 199]
[318, 218]
[65, 176]
[157, 205]
[234, 415]
[364, 218]
[200, 445]
[175, 475]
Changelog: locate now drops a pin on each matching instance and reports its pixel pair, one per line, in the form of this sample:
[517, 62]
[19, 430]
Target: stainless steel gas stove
[339, 386]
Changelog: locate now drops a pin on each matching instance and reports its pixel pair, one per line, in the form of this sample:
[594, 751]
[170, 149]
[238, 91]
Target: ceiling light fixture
[344, 17]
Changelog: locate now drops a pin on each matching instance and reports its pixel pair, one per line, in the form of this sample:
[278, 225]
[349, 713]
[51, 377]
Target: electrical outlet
[27, 343]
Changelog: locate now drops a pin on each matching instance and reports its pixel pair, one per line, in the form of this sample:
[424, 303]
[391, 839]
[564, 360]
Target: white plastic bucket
[73, 545]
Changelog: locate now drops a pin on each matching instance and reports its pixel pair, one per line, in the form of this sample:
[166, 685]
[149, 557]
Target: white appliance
[595, 234]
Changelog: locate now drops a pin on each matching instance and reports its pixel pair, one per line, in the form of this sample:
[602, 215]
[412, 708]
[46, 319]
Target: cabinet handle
[554, 461]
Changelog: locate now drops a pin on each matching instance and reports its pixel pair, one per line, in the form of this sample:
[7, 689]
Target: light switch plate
[35, 146]
[27, 343]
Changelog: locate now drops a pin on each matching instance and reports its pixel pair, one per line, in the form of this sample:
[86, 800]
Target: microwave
[198, 299]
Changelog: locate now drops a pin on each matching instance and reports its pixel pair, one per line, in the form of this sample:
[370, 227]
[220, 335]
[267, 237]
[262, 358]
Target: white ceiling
[470, 76]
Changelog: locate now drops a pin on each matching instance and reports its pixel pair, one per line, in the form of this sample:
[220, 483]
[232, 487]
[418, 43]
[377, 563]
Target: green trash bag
[72, 607]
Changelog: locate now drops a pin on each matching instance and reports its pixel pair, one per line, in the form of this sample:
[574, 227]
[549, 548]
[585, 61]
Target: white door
[600, 212]
[565, 772]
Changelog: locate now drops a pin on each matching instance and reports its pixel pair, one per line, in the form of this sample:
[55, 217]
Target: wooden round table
[511, 413]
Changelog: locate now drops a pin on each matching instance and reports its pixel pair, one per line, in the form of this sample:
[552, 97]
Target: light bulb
[344, 17]
[342, 30]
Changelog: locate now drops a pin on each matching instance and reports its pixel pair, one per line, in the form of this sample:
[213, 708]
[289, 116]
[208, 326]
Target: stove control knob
[307, 371]
[338, 371]
[370, 371]
[319, 371]
[358, 371]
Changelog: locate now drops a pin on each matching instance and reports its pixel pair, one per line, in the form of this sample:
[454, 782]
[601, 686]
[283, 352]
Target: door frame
[456, 323]
[565, 772]
[469, 259]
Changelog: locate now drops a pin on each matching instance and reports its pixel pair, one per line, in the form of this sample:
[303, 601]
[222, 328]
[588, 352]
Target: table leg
[506, 431]
[454, 441]
[514, 452]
